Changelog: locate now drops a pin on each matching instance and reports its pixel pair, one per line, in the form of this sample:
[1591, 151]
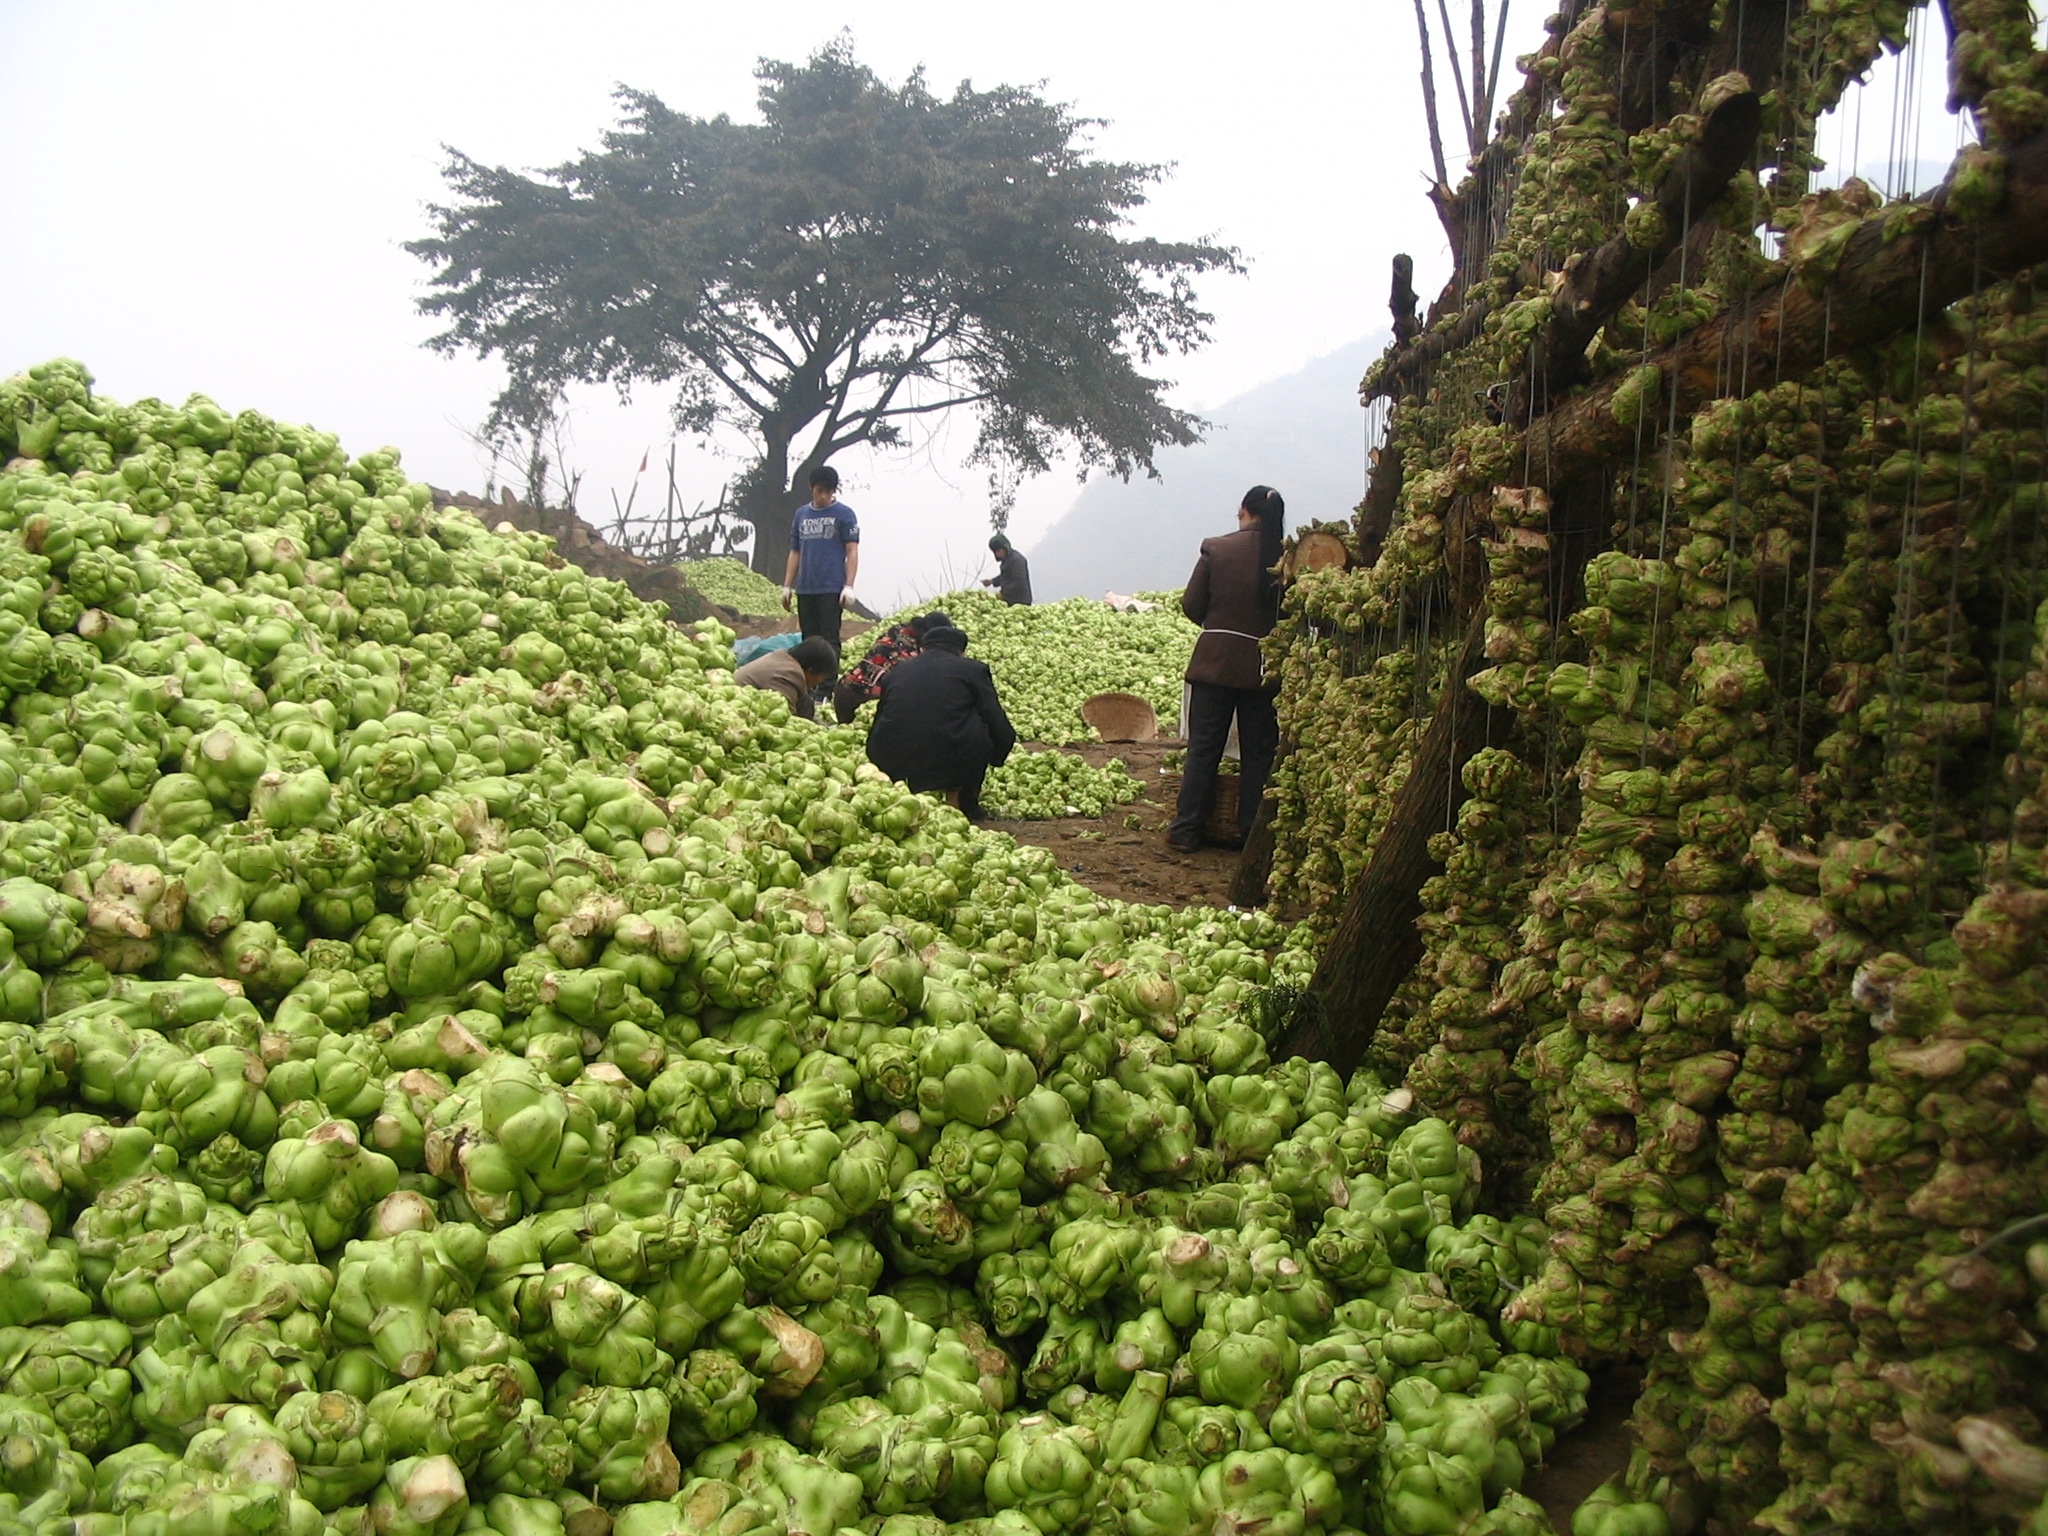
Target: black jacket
[939, 723]
[1013, 579]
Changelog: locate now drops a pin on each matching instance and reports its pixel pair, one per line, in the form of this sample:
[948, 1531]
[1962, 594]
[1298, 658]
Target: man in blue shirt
[824, 557]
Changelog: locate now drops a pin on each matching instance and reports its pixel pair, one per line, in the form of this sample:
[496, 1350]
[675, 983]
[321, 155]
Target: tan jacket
[779, 672]
[1223, 596]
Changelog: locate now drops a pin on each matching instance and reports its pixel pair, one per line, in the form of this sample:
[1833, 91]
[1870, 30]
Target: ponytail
[1265, 503]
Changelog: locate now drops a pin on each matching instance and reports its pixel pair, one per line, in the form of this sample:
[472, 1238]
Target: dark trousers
[817, 613]
[969, 787]
[1210, 709]
[846, 701]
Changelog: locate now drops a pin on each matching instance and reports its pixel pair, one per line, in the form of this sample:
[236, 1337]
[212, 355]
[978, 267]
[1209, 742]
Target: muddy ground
[1586, 1457]
[1123, 852]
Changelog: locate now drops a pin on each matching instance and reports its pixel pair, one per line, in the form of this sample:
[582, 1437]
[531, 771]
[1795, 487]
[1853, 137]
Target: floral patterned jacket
[898, 644]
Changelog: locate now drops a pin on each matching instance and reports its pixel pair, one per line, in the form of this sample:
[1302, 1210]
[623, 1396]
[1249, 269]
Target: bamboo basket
[1121, 717]
[1221, 826]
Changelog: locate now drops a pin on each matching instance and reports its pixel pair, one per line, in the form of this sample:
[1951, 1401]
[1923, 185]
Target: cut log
[1402, 300]
[1315, 551]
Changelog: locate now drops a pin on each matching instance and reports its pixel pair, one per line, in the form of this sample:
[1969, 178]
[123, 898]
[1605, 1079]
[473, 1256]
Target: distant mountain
[1303, 434]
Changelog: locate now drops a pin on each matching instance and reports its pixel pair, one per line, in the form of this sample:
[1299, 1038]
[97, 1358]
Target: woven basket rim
[1121, 716]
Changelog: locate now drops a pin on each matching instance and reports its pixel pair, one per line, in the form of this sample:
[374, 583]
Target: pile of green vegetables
[470, 1067]
[1050, 659]
[1042, 786]
[735, 585]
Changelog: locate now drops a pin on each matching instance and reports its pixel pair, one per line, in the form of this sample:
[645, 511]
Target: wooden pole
[1402, 300]
[1255, 860]
[1436, 138]
[1376, 943]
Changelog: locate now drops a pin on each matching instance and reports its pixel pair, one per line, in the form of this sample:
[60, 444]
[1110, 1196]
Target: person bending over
[863, 680]
[824, 558]
[940, 726]
[1235, 597]
[1012, 579]
[797, 673]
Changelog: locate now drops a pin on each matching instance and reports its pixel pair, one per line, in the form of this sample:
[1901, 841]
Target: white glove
[846, 597]
[788, 597]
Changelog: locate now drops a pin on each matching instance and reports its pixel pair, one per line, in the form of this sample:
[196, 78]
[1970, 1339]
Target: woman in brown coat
[1235, 597]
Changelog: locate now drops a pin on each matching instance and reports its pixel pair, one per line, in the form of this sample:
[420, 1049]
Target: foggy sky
[213, 197]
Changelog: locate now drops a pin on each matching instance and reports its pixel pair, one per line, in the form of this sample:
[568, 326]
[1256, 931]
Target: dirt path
[1123, 852]
[1587, 1456]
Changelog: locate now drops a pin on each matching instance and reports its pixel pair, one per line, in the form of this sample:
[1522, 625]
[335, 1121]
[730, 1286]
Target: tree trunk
[1403, 302]
[1653, 41]
[1382, 498]
[1377, 943]
[764, 502]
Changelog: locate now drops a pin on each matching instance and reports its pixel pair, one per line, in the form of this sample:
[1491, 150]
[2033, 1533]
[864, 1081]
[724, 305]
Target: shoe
[1175, 845]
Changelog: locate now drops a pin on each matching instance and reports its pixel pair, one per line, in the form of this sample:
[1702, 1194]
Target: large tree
[863, 256]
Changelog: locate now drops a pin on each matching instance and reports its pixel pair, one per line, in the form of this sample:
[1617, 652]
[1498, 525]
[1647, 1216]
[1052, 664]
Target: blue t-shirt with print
[820, 538]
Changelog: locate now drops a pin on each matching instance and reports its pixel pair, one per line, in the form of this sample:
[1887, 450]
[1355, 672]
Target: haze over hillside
[1304, 434]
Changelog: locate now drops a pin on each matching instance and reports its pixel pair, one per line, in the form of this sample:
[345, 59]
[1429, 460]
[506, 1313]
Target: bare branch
[1436, 138]
[1475, 127]
[1443, 12]
[979, 397]
[1500, 43]
[712, 358]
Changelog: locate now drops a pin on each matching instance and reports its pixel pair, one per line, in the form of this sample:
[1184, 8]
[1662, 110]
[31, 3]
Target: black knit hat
[944, 637]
